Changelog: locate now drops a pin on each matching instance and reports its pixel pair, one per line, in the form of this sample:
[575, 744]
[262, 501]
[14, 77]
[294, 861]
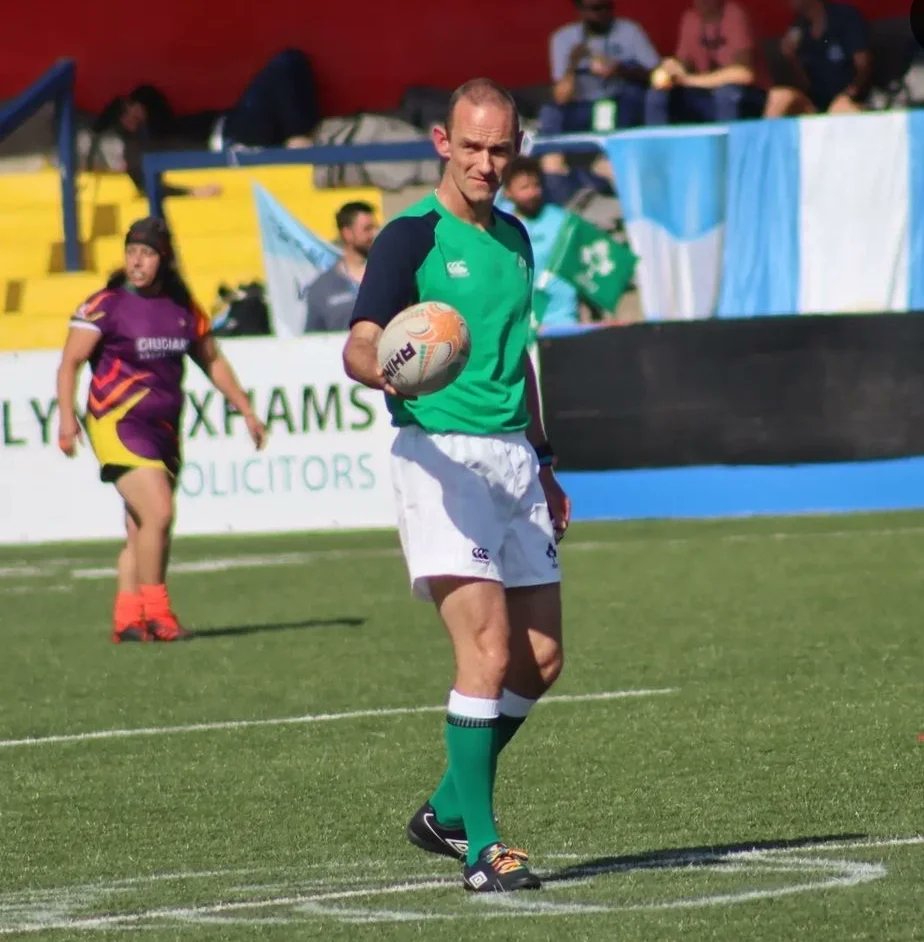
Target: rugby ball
[424, 348]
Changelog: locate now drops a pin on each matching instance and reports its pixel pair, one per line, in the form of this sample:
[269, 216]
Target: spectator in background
[332, 295]
[600, 69]
[543, 222]
[716, 74]
[828, 54]
[278, 108]
[143, 121]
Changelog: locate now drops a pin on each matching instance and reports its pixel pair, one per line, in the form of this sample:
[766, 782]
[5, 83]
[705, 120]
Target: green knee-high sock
[470, 744]
[445, 800]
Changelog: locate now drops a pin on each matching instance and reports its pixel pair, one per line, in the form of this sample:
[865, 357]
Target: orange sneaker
[167, 628]
[134, 631]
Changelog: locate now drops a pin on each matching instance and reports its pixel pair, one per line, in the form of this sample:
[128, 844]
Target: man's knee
[493, 653]
[550, 659]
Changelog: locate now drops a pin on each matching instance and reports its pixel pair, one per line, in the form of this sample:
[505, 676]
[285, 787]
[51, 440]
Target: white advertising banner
[326, 465]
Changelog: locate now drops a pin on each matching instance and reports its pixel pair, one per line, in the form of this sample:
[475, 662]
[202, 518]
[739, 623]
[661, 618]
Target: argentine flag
[825, 215]
[815, 215]
[671, 185]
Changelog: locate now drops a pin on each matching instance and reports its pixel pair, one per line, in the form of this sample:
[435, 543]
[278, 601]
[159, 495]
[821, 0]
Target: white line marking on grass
[308, 718]
[251, 561]
[294, 906]
[16, 572]
[270, 560]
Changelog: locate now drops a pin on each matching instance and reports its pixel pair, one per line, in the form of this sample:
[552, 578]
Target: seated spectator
[523, 197]
[332, 295]
[600, 69]
[143, 121]
[278, 108]
[828, 54]
[716, 74]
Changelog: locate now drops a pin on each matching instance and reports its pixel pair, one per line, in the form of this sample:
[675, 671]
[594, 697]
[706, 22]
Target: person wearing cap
[136, 334]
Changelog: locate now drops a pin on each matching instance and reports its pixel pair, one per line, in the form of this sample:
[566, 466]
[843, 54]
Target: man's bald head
[482, 91]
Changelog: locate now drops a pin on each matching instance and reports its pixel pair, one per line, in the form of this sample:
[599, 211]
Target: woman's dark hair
[154, 232]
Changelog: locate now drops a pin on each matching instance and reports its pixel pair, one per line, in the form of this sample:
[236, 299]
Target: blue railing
[157, 164]
[56, 85]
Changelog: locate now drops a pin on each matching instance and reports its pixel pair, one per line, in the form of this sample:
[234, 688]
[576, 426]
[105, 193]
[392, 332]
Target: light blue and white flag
[671, 185]
[825, 216]
[293, 257]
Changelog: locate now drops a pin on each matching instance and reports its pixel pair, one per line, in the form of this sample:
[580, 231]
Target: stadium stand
[217, 240]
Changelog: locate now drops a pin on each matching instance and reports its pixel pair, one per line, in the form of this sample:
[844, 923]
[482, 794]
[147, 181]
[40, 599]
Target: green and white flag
[586, 257]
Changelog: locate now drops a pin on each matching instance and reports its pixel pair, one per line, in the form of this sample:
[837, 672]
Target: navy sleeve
[389, 283]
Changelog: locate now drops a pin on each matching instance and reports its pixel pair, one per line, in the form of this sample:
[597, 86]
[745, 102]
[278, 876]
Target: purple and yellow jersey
[136, 391]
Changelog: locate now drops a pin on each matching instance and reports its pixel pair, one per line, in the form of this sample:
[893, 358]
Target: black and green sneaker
[425, 832]
[499, 869]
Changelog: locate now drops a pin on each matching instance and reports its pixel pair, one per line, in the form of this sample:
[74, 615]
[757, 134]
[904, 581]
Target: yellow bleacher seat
[214, 252]
[109, 253]
[28, 222]
[234, 209]
[19, 332]
[24, 259]
[223, 216]
[58, 294]
[241, 179]
[37, 187]
[108, 188]
[217, 240]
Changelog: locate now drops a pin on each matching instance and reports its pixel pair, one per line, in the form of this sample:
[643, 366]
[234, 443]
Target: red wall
[364, 52]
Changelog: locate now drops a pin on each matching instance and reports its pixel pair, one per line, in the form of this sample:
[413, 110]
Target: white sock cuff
[512, 704]
[473, 708]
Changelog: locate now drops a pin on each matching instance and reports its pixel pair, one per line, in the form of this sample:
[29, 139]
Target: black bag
[247, 314]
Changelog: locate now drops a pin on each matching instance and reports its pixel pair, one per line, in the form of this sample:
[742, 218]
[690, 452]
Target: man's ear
[441, 141]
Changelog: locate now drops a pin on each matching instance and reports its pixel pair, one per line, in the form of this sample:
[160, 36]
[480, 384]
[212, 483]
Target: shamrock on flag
[598, 266]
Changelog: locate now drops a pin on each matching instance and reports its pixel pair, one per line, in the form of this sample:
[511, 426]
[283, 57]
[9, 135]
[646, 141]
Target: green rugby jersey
[429, 254]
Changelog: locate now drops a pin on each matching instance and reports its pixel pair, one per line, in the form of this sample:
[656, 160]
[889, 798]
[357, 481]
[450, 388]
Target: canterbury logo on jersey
[480, 554]
[457, 269]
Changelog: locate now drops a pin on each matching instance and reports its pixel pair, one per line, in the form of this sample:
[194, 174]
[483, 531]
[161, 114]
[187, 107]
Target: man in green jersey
[479, 509]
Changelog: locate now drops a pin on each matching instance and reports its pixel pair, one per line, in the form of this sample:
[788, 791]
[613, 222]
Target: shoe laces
[503, 859]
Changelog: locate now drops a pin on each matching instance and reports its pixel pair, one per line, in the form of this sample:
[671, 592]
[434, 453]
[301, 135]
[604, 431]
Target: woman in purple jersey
[136, 333]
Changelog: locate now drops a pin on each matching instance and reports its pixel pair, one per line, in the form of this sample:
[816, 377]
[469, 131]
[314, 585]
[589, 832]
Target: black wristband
[546, 455]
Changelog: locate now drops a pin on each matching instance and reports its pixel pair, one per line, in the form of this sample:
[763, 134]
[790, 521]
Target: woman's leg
[148, 495]
[128, 613]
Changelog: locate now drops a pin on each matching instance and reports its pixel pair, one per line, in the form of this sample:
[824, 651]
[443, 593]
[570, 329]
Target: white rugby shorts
[472, 506]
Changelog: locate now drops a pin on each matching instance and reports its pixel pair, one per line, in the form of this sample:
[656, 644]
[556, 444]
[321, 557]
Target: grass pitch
[761, 778]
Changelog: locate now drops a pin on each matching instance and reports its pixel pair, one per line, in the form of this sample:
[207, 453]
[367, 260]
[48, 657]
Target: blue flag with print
[293, 257]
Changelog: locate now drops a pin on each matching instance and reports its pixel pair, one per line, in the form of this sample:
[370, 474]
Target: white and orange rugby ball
[424, 348]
